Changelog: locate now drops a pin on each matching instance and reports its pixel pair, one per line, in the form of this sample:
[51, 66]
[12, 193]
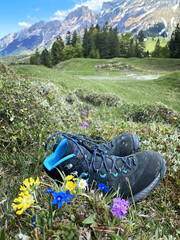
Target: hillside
[113, 97]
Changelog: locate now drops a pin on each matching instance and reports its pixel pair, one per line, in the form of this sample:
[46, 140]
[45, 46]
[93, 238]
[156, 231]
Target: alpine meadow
[106, 78]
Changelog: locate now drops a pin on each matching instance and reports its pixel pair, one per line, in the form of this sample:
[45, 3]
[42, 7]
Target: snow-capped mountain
[126, 15]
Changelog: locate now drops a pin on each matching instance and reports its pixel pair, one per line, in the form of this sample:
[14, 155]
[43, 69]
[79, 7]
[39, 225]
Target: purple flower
[119, 201]
[103, 187]
[120, 207]
[153, 214]
[85, 124]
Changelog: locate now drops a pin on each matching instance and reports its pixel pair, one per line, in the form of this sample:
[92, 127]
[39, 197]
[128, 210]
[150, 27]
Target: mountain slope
[39, 35]
[126, 15]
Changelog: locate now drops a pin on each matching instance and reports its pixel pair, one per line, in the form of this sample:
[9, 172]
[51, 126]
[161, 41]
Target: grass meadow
[113, 96]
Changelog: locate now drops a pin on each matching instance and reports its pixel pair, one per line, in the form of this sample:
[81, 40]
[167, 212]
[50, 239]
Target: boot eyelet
[75, 173]
[69, 166]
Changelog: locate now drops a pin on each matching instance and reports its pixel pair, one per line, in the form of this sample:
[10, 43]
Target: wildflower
[30, 184]
[69, 177]
[82, 184]
[34, 220]
[22, 236]
[110, 114]
[11, 118]
[49, 191]
[70, 185]
[120, 207]
[3, 201]
[66, 197]
[25, 200]
[58, 198]
[23, 188]
[119, 201]
[175, 118]
[85, 124]
[153, 214]
[88, 119]
[103, 187]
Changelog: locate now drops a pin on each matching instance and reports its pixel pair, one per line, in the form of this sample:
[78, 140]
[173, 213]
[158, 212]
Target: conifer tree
[85, 43]
[78, 50]
[57, 51]
[60, 40]
[157, 50]
[35, 58]
[97, 54]
[74, 38]
[46, 58]
[68, 38]
[103, 48]
[174, 44]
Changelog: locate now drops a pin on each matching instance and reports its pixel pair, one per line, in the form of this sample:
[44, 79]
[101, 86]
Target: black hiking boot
[122, 145]
[142, 170]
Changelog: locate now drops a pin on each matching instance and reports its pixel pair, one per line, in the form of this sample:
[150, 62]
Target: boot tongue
[78, 150]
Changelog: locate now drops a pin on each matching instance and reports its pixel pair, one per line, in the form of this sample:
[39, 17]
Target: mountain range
[126, 15]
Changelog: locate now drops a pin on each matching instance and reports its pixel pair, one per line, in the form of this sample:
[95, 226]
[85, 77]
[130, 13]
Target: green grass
[36, 101]
[150, 44]
[80, 73]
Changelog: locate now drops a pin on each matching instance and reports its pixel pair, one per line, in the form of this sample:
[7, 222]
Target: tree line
[104, 43]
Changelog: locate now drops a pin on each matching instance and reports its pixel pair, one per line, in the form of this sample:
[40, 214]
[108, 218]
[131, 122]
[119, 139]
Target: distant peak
[80, 11]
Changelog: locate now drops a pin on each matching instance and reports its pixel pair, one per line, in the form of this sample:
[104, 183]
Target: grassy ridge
[36, 102]
[130, 85]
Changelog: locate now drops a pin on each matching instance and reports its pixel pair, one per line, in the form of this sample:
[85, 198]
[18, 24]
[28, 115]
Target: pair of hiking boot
[117, 164]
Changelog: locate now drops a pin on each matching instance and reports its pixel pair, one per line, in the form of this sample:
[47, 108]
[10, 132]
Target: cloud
[31, 18]
[24, 24]
[60, 15]
[94, 5]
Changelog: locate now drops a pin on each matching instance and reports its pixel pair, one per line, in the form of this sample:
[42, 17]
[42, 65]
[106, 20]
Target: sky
[18, 14]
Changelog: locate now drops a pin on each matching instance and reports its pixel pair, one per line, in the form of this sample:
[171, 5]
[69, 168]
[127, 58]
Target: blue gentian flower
[49, 191]
[67, 196]
[58, 198]
[34, 220]
[103, 187]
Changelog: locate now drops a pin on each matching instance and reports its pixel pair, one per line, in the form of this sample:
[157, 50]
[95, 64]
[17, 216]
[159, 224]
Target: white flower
[3, 201]
[82, 184]
[22, 236]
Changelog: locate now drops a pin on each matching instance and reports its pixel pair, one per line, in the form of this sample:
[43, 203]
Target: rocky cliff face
[126, 15]
[134, 15]
[38, 35]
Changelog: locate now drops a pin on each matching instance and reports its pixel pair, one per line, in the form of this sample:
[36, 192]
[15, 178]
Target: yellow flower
[22, 188]
[88, 119]
[25, 200]
[75, 179]
[110, 114]
[69, 177]
[70, 185]
[30, 184]
[175, 118]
